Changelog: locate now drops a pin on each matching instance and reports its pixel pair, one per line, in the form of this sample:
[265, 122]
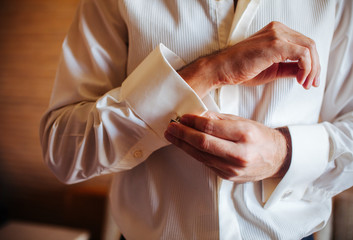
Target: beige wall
[31, 33]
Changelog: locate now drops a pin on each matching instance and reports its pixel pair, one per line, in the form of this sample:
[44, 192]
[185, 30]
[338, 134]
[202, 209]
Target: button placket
[224, 15]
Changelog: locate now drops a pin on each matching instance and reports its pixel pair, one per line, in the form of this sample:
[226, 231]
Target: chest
[196, 28]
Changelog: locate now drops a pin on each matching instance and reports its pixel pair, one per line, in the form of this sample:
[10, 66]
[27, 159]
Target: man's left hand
[237, 149]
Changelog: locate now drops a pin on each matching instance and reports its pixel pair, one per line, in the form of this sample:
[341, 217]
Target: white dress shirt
[117, 89]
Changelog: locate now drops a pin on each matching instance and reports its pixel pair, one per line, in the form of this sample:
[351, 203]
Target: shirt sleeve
[322, 158]
[100, 121]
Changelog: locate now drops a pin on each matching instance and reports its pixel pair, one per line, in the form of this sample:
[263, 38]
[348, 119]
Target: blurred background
[31, 34]
[32, 200]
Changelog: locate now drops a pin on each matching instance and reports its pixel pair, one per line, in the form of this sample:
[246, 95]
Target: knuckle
[246, 157]
[273, 30]
[250, 134]
[208, 126]
[203, 142]
[305, 53]
[229, 172]
[244, 162]
[275, 41]
[234, 158]
[274, 25]
[273, 33]
[311, 43]
[224, 176]
[237, 172]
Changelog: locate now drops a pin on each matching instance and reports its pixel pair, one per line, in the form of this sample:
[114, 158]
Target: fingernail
[317, 82]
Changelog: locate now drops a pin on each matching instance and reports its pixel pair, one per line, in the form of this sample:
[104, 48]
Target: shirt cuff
[310, 154]
[156, 92]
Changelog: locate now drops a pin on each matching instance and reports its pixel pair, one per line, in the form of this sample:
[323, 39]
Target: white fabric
[114, 96]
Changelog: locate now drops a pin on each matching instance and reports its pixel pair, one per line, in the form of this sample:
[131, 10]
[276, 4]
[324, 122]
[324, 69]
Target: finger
[215, 115]
[292, 45]
[204, 157]
[287, 69]
[220, 173]
[226, 129]
[222, 148]
[316, 67]
[200, 140]
[302, 55]
[317, 80]
[239, 178]
[313, 77]
[285, 51]
[223, 174]
[276, 71]
[222, 167]
[307, 76]
[315, 64]
[317, 77]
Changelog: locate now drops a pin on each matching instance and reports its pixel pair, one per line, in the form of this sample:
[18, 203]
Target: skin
[259, 59]
[238, 149]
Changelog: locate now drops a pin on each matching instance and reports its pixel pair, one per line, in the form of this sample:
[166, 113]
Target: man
[235, 85]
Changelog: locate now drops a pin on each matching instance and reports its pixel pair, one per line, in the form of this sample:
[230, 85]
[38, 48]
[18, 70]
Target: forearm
[202, 74]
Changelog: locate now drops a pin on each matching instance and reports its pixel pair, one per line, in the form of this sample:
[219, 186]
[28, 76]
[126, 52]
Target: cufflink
[176, 120]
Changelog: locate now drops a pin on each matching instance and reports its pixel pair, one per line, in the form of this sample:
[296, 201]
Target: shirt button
[287, 194]
[137, 154]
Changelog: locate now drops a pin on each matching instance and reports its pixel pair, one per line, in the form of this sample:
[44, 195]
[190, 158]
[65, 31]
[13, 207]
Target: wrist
[286, 157]
[201, 75]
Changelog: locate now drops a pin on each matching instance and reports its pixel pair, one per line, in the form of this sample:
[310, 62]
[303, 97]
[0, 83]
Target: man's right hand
[274, 52]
